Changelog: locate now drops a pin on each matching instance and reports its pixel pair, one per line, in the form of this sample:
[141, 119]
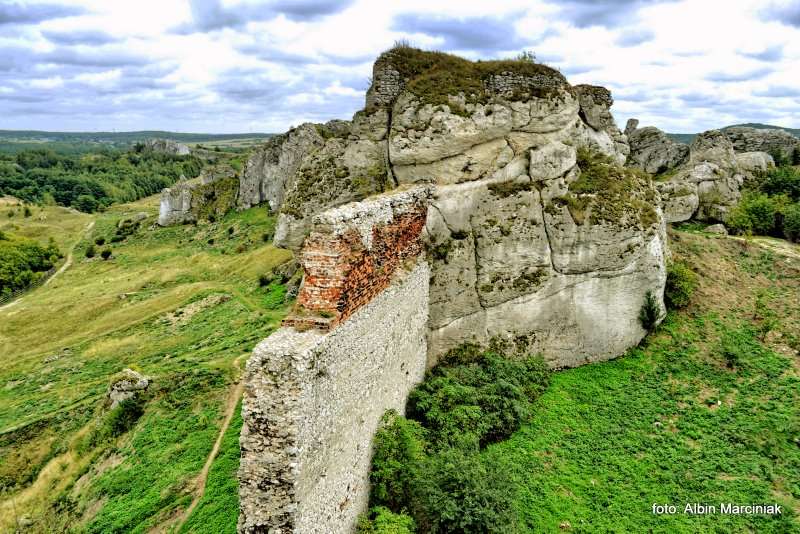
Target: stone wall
[314, 396]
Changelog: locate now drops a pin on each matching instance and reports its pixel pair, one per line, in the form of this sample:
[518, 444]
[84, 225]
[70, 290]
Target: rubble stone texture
[314, 400]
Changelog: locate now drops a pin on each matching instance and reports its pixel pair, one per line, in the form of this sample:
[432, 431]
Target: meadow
[181, 305]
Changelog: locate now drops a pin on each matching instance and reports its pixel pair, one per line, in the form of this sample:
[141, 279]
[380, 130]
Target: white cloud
[682, 65]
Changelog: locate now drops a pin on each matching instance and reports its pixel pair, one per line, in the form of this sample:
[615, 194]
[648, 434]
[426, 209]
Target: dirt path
[230, 410]
[60, 269]
[69, 256]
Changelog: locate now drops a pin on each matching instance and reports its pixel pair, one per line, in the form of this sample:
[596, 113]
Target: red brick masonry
[341, 274]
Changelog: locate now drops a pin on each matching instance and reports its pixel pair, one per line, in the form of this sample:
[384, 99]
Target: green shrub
[461, 492]
[650, 312]
[264, 280]
[106, 253]
[681, 283]
[782, 180]
[26, 212]
[124, 415]
[100, 241]
[90, 251]
[470, 405]
[791, 222]
[381, 520]
[755, 212]
[398, 452]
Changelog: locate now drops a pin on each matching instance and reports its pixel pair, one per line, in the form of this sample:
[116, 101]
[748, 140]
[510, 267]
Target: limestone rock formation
[710, 180]
[752, 164]
[717, 229]
[166, 146]
[271, 168]
[769, 140]
[652, 151]
[176, 205]
[127, 385]
[524, 240]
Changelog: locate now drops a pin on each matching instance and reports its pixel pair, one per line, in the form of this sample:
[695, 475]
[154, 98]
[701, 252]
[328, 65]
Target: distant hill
[13, 141]
[687, 138]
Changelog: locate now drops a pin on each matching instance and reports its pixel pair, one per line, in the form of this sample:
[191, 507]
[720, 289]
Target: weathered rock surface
[166, 146]
[652, 151]
[176, 205]
[769, 140]
[270, 170]
[717, 229]
[127, 385]
[595, 109]
[710, 180]
[752, 164]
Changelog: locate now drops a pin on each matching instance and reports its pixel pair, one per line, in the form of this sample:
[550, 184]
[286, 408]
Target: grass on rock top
[433, 76]
[147, 309]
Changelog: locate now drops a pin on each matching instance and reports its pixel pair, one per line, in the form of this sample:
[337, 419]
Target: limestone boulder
[653, 151]
[175, 206]
[127, 385]
[679, 200]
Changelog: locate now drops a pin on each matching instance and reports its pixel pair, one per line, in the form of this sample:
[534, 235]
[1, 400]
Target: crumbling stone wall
[353, 253]
[314, 396]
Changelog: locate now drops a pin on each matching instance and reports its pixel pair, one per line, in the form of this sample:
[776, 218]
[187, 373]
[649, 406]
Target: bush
[90, 251]
[681, 283]
[264, 280]
[473, 404]
[100, 241]
[650, 312]
[754, 213]
[398, 452]
[791, 222]
[26, 212]
[782, 180]
[381, 520]
[106, 253]
[123, 416]
[461, 492]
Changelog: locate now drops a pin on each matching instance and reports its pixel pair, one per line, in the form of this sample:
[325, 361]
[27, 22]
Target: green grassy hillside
[181, 305]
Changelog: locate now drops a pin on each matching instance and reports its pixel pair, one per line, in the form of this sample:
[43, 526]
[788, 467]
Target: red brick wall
[341, 275]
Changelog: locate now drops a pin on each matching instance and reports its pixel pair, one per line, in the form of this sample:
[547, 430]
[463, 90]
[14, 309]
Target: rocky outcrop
[711, 180]
[127, 385]
[270, 170]
[517, 225]
[166, 146]
[754, 164]
[210, 199]
[176, 205]
[769, 140]
[595, 110]
[652, 150]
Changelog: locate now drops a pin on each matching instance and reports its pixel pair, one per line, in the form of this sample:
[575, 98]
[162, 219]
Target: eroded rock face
[711, 180]
[176, 205]
[770, 140]
[752, 164]
[652, 151]
[270, 170]
[516, 222]
[595, 108]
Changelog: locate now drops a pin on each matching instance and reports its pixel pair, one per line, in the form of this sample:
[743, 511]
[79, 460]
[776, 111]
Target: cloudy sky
[262, 66]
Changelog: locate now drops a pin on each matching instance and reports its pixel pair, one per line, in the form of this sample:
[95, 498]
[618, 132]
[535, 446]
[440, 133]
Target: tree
[86, 203]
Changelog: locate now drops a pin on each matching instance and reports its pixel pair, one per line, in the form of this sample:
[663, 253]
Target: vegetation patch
[23, 261]
[434, 77]
[427, 468]
[605, 193]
